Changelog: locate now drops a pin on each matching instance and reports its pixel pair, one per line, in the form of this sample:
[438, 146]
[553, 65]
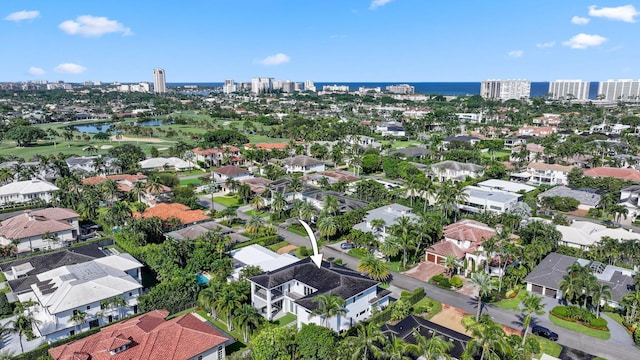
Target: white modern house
[544, 174]
[584, 234]
[455, 171]
[389, 215]
[86, 287]
[41, 229]
[170, 163]
[302, 164]
[21, 192]
[260, 256]
[481, 199]
[292, 289]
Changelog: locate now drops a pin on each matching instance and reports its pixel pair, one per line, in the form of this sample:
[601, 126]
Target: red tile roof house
[150, 337]
[216, 156]
[463, 240]
[29, 228]
[126, 182]
[220, 175]
[624, 174]
[181, 212]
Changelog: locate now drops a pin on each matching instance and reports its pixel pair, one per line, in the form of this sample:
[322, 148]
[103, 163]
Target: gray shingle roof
[585, 196]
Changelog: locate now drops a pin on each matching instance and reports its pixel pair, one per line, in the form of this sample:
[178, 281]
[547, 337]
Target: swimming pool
[202, 279]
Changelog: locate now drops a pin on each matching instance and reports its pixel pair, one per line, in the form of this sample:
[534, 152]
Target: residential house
[535, 153]
[544, 174]
[260, 256]
[292, 289]
[126, 183]
[220, 175]
[629, 198]
[62, 292]
[546, 277]
[508, 186]
[617, 173]
[174, 212]
[513, 142]
[362, 141]
[150, 337]
[24, 192]
[455, 171]
[389, 215]
[413, 152]
[40, 229]
[480, 199]
[463, 240]
[332, 176]
[224, 155]
[267, 146]
[171, 163]
[195, 231]
[303, 164]
[539, 131]
[462, 139]
[317, 199]
[390, 128]
[87, 165]
[588, 198]
[258, 185]
[585, 234]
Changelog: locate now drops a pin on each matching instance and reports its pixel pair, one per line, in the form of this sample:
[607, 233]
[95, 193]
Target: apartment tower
[159, 81]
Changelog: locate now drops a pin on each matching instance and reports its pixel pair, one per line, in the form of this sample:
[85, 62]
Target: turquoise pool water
[202, 279]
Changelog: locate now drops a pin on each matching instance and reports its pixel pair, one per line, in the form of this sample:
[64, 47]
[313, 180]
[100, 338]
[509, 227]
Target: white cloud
[23, 15]
[377, 3]
[277, 59]
[88, 25]
[546, 44]
[515, 53]
[578, 20]
[36, 71]
[625, 13]
[69, 68]
[583, 41]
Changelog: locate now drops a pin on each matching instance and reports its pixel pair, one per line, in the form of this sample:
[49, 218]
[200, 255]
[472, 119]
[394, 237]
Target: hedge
[262, 241]
[580, 316]
[414, 296]
[43, 350]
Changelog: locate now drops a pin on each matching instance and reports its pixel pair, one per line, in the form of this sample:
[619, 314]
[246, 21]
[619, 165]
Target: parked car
[346, 246]
[544, 332]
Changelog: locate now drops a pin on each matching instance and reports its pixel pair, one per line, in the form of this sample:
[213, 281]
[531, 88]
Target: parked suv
[346, 246]
[544, 332]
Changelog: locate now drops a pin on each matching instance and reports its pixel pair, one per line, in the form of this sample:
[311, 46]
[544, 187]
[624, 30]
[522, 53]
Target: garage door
[551, 292]
[536, 289]
[431, 258]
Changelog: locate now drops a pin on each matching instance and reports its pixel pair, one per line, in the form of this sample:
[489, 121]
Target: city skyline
[328, 41]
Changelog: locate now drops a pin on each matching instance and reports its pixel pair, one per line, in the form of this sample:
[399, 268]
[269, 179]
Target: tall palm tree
[531, 304]
[254, 224]
[22, 325]
[366, 342]
[278, 203]
[119, 213]
[374, 268]
[296, 186]
[396, 349]
[258, 201]
[138, 189]
[331, 205]
[329, 306]
[226, 303]
[484, 283]
[377, 225]
[428, 189]
[79, 317]
[327, 226]
[247, 319]
[435, 347]
[487, 337]
[110, 190]
[450, 263]
[207, 299]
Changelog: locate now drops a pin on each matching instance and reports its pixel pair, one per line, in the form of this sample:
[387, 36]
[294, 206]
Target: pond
[105, 127]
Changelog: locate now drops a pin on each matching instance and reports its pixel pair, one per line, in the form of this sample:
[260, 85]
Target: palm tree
[329, 306]
[403, 230]
[484, 283]
[331, 205]
[435, 347]
[258, 201]
[226, 303]
[327, 226]
[365, 344]
[138, 189]
[450, 263]
[23, 324]
[428, 189]
[207, 299]
[246, 319]
[254, 224]
[110, 190]
[600, 292]
[377, 225]
[119, 213]
[68, 135]
[531, 304]
[488, 337]
[396, 349]
[296, 186]
[278, 203]
[374, 268]
[79, 317]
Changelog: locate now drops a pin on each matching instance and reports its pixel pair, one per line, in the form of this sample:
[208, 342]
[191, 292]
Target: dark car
[346, 246]
[544, 332]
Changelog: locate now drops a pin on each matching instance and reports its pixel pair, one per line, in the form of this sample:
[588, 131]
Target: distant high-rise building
[159, 81]
[401, 89]
[623, 90]
[288, 86]
[261, 85]
[569, 89]
[229, 86]
[505, 89]
[309, 85]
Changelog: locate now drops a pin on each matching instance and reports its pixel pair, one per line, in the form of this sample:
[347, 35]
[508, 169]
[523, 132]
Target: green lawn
[254, 212]
[295, 228]
[285, 320]
[359, 253]
[617, 318]
[278, 246]
[547, 346]
[227, 201]
[511, 304]
[604, 335]
[191, 172]
[195, 182]
[221, 326]
[183, 312]
[434, 306]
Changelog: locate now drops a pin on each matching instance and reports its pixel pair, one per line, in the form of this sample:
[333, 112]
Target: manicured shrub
[441, 281]
[303, 251]
[598, 323]
[5, 307]
[456, 282]
[337, 261]
[560, 311]
[636, 336]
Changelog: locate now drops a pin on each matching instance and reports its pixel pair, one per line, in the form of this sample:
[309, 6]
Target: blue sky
[322, 40]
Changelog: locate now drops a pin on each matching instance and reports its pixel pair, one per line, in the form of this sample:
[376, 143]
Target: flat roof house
[479, 200]
[21, 192]
[389, 214]
[292, 289]
[455, 171]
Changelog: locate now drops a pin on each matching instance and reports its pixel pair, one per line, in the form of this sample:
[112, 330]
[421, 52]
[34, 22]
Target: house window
[75, 312]
[308, 291]
[130, 294]
[88, 307]
[72, 332]
[220, 352]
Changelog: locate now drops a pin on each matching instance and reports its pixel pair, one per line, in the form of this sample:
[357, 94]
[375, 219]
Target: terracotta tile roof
[146, 337]
[468, 230]
[181, 212]
[230, 170]
[555, 167]
[624, 174]
[268, 146]
[445, 248]
[206, 152]
[37, 223]
[95, 180]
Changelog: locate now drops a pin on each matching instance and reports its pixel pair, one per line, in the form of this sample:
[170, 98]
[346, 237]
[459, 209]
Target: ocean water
[538, 89]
